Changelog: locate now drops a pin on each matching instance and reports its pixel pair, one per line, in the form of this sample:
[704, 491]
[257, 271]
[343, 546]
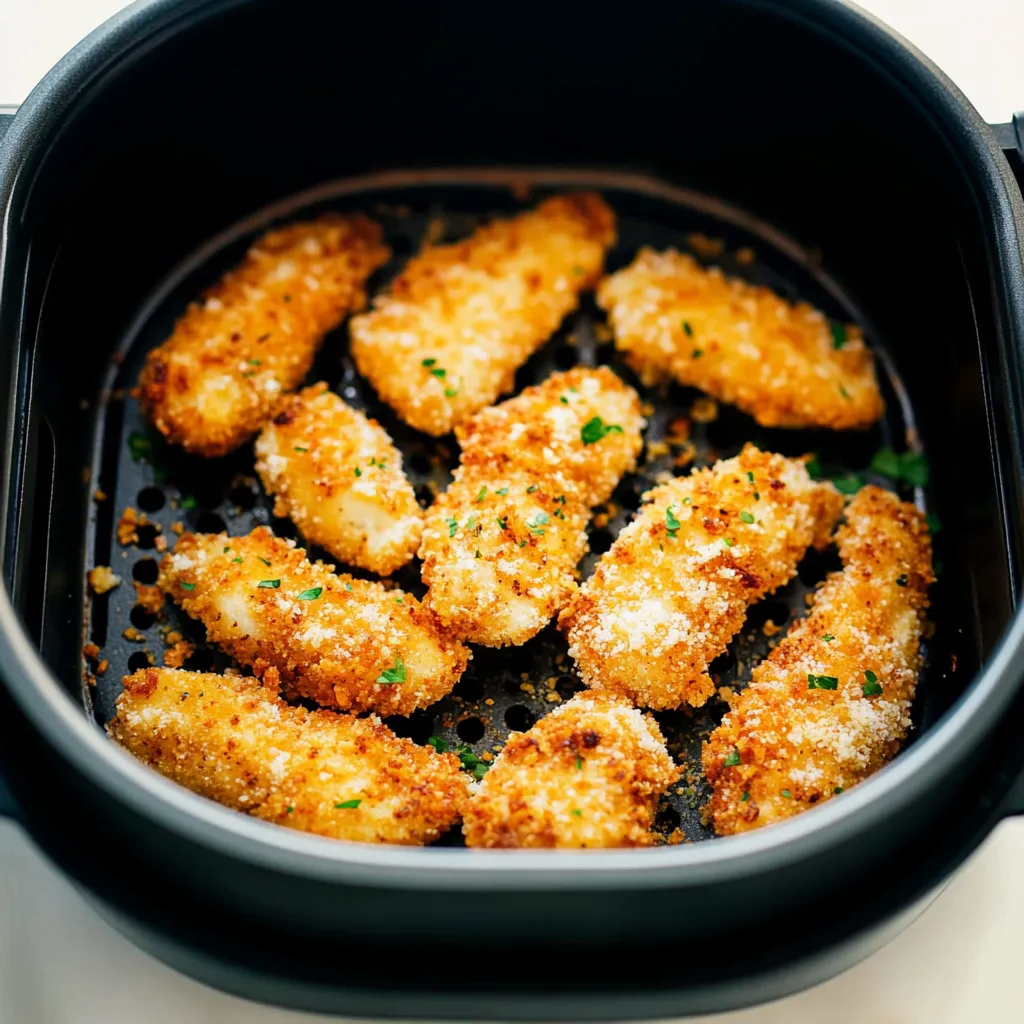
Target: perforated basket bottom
[503, 690]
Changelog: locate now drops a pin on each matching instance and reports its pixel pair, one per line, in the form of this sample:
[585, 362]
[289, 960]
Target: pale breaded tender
[501, 545]
[253, 336]
[831, 704]
[340, 641]
[675, 586]
[456, 324]
[579, 430]
[780, 362]
[338, 476]
[230, 739]
[587, 775]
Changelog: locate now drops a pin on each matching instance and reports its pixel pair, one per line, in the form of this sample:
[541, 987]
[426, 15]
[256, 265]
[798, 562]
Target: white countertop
[959, 963]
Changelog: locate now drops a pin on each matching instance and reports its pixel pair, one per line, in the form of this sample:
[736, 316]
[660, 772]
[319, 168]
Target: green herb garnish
[688, 328]
[838, 335]
[238, 560]
[579, 763]
[357, 471]
[453, 525]
[827, 637]
[439, 372]
[298, 449]
[312, 594]
[269, 584]
[746, 516]
[347, 805]
[481, 494]
[428, 362]
[837, 790]
[844, 392]
[745, 797]
[671, 523]
[187, 502]
[849, 484]
[813, 467]
[348, 587]
[140, 446]
[390, 676]
[502, 522]
[872, 687]
[531, 488]
[577, 813]
[539, 520]
[265, 561]
[502, 491]
[908, 467]
[450, 392]
[821, 682]
[786, 793]
[934, 523]
[732, 758]
[727, 542]
[902, 580]
[596, 429]
[188, 586]
[439, 743]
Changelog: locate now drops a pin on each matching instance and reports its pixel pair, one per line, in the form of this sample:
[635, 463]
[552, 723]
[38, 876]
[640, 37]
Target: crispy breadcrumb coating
[338, 476]
[501, 545]
[587, 775]
[340, 641]
[457, 323]
[231, 740]
[253, 336]
[831, 704]
[781, 363]
[675, 586]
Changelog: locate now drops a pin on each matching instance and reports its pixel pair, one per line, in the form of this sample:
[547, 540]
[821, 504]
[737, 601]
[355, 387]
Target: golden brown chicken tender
[456, 324]
[229, 739]
[675, 586]
[831, 704]
[501, 545]
[340, 641]
[587, 775]
[253, 336]
[338, 476]
[784, 364]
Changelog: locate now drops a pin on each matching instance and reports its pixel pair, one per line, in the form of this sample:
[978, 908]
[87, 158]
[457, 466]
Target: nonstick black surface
[509, 689]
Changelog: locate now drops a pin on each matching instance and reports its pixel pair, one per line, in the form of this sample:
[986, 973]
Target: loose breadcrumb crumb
[341, 641]
[675, 586]
[151, 598]
[587, 775]
[334, 775]
[253, 336]
[782, 363]
[338, 476]
[831, 703]
[457, 323]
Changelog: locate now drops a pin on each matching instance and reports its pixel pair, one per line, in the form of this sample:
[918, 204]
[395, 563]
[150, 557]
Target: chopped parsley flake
[450, 392]
[688, 328]
[522, 543]
[697, 353]
[934, 523]
[347, 805]
[849, 484]
[399, 600]
[837, 790]
[502, 522]
[428, 362]
[727, 542]
[269, 584]
[872, 687]
[671, 523]
[745, 797]
[470, 522]
[786, 793]
[746, 516]
[578, 271]
[732, 758]
[453, 525]
[813, 467]
[472, 763]
[838, 335]
[439, 372]
[821, 682]
[188, 502]
[390, 676]
[827, 637]
[140, 446]
[298, 449]
[596, 429]
[265, 561]
[439, 743]
[226, 550]
[563, 400]
[477, 555]
[348, 587]
[687, 501]
[577, 813]
[188, 586]
[357, 471]
[253, 362]
[757, 497]
[237, 560]
[531, 488]
[288, 810]
[312, 594]
[908, 467]
[579, 763]
[902, 580]
[844, 392]
[539, 520]
[502, 491]
[481, 494]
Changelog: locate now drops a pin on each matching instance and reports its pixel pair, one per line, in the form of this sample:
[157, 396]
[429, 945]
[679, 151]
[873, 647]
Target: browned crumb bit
[91, 652]
[602, 335]
[86, 475]
[679, 431]
[177, 655]
[552, 697]
[770, 629]
[489, 702]
[725, 692]
[706, 248]
[128, 526]
[131, 633]
[676, 837]
[102, 579]
[99, 496]
[90, 680]
[178, 528]
[149, 597]
[160, 543]
[704, 410]
[745, 256]
[686, 455]
[102, 667]
[173, 637]
[601, 520]
[655, 449]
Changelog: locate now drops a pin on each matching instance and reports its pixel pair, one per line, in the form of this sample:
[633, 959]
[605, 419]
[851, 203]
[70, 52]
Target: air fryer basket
[136, 175]
[509, 689]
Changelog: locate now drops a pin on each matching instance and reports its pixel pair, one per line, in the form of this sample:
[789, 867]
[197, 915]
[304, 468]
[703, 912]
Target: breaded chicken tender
[501, 545]
[253, 336]
[340, 641]
[675, 586]
[782, 363]
[457, 323]
[338, 476]
[230, 739]
[587, 775]
[831, 704]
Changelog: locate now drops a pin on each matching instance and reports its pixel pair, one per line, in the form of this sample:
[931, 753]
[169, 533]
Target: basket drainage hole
[145, 571]
[470, 730]
[210, 522]
[566, 357]
[201, 661]
[667, 820]
[150, 499]
[600, 541]
[242, 496]
[147, 536]
[141, 618]
[139, 660]
[767, 611]
[418, 727]
[725, 662]
[469, 689]
[419, 463]
[567, 687]
[519, 718]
